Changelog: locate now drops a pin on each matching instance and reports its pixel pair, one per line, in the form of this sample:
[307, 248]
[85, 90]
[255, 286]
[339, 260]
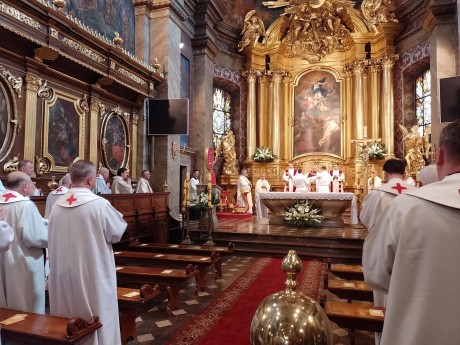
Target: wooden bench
[349, 272]
[354, 316]
[128, 302]
[349, 290]
[171, 261]
[171, 278]
[38, 329]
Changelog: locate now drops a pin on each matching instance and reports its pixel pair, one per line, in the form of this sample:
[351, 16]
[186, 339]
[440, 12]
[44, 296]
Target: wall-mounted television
[449, 89]
[167, 116]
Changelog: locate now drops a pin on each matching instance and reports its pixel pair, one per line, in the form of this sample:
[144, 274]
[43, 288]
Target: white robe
[374, 182]
[323, 182]
[52, 198]
[22, 272]
[143, 186]
[101, 186]
[262, 186]
[301, 183]
[6, 236]
[244, 186]
[83, 279]
[412, 254]
[120, 186]
[193, 189]
[288, 176]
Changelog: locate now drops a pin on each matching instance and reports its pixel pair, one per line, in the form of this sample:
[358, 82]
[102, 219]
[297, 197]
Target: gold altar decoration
[227, 149]
[52, 185]
[290, 317]
[414, 147]
[253, 28]
[42, 165]
[330, 73]
[11, 165]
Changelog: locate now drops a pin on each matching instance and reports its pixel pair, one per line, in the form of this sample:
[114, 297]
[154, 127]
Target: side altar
[333, 205]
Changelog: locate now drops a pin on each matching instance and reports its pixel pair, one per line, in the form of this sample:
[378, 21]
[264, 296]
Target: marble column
[251, 133]
[387, 104]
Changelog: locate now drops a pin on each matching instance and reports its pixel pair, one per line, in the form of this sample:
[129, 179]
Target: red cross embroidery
[59, 190]
[8, 196]
[71, 199]
[399, 188]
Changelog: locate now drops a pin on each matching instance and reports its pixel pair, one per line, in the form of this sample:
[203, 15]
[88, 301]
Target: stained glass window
[221, 116]
[423, 101]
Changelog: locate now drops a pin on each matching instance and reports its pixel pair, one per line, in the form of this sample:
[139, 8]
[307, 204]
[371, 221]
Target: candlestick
[184, 196]
[187, 184]
[209, 190]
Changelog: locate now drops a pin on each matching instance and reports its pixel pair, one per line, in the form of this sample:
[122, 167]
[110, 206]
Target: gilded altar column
[96, 108]
[30, 121]
[277, 111]
[251, 75]
[358, 99]
[263, 139]
[347, 106]
[388, 102]
[373, 120]
[287, 119]
[134, 123]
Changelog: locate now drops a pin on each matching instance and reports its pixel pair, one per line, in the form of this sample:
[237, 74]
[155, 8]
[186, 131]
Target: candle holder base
[187, 240]
[209, 242]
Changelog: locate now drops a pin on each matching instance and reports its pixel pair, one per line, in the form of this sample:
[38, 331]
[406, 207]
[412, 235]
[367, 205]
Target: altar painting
[317, 116]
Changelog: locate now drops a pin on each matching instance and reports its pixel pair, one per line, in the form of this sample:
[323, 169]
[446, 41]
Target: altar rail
[147, 214]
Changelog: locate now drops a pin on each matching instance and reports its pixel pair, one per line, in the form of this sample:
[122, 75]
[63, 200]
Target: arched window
[423, 101]
[221, 116]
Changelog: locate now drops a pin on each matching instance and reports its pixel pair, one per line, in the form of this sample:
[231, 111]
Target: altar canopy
[333, 205]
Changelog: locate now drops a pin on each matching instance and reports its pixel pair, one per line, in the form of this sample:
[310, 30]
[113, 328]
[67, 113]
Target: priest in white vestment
[83, 282]
[194, 181]
[374, 181]
[56, 194]
[412, 254]
[301, 182]
[26, 166]
[337, 179]
[102, 186]
[122, 183]
[143, 185]
[22, 272]
[323, 181]
[262, 186]
[6, 233]
[244, 195]
[288, 177]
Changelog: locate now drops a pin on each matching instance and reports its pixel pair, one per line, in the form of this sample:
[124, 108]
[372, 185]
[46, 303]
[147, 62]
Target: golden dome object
[60, 3]
[289, 317]
[53, 184]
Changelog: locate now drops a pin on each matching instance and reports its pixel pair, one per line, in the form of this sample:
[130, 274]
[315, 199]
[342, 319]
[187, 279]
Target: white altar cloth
[315, 196]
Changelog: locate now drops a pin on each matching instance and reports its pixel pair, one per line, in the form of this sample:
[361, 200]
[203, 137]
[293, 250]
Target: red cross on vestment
[8, 196]
[59, 190]
[399, 188]
[71, 199]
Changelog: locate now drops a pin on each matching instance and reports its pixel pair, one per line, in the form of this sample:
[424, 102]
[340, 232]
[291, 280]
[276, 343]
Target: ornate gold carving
[84, 50]
[388, 60]
[131, 76]
[102, 110]
[272, 173]
[32, 83]
[415, 146]
[377, 11]
[44, 91]
[112, 64]
[253, 28]
[11, 11]
[11, 165]
[313, 30]
[82, 104]
[117, 40]
[227, 149]
[15, 82]
[45, 53]
[42, 165]
[127, 117]
[54, 33]
[135, 119]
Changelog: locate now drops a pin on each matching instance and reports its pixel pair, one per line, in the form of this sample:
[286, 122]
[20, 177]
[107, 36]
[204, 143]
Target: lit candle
[209, 190]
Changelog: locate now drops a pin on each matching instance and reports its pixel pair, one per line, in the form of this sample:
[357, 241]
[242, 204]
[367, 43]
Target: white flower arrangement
[303, 215]
[201, 201]
[263, 154]
[377, 150]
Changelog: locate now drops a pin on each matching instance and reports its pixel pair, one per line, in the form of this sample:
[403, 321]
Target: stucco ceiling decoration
[313, 29]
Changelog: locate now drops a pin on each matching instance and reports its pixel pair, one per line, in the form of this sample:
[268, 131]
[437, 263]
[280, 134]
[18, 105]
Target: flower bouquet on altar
[303, 215]
[377, 150]
[263, 154]
[201, 201]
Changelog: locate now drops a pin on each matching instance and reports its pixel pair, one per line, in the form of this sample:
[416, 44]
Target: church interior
[217, 87]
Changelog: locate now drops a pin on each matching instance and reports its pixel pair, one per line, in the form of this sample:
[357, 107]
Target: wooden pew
[37, 329]
[350, 290]
[128, 302]
[171, 278]
[171, 261]
[349, 272]
[354, 316]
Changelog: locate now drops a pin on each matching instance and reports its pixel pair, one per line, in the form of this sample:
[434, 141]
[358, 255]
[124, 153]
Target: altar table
[332, 204]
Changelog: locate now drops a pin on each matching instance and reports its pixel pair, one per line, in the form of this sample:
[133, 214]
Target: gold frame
[12, 120]
[80, 110]
[127, 147]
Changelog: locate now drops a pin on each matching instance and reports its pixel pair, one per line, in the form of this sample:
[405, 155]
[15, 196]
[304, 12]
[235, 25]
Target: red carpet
[227, 320]
[231, 215]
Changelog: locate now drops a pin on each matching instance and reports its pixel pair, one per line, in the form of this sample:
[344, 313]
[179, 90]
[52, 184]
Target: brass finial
[292, 266]
[117, 40]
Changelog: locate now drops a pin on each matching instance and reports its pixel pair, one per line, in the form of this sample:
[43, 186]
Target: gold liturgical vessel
[289, 317]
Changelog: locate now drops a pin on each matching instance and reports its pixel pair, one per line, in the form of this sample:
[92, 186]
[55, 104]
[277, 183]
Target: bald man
[22, 283]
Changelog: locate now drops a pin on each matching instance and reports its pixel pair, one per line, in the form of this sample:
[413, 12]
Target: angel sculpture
[227, 149]
[414, 146]
[253, 28]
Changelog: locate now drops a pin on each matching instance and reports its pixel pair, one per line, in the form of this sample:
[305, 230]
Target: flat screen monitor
[167, 116]
[449, 89]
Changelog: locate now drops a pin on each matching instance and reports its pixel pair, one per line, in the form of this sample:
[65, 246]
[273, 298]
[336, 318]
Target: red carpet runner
[227, 320]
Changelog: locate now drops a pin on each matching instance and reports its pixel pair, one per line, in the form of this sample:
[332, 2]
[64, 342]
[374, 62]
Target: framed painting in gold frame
[9, 120]
[115, 144]
[64, 124]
